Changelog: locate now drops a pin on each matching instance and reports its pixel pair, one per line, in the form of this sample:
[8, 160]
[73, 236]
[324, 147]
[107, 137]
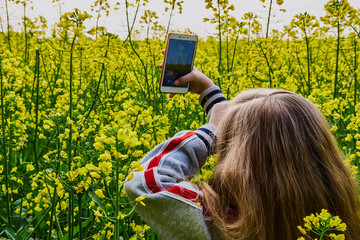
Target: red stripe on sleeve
[150, 181]
[149, 173]
[185, 193]
[171, 146]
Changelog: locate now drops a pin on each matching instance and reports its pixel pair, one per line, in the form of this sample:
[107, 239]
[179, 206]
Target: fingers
[162, 64]
[185, 79]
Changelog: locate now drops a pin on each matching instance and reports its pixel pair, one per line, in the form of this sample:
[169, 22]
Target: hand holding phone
[179, 61]
[199, 81]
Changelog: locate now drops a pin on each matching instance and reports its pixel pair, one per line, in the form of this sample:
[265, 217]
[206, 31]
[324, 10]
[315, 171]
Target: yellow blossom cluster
[323, 224]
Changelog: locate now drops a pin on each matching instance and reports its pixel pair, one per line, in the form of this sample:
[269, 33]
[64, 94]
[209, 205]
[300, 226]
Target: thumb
[184, 79]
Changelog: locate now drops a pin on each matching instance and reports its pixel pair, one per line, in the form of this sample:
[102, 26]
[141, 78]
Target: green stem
[81, 232]
[136, 53]
[37, 225]
[8, 24]
[25, 34]
[337, 59]
[227, 53]
[37, 70]
[171, 13]
[268, 20]
[53, 200]
[220, 48]
[57, 169]
[117, 217]
[48, 80]
[234, 52]
[307, 41]
[267, 63]
[71, 197]
[133, 22]
[97, 19]
[355, 74]
[95, 97]
[99, 81]
[4, 148]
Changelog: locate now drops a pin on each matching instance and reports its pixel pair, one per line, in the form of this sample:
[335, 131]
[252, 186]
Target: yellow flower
[99, 193]
[348, 137]
[72, 175]
[341, 227]
[105, 166]
[137, 153]
[37, 208]
[118, 155]
[105, 156]
[82, 171]
[110, 141]
[30, 167]
[97, 214]
[131, 176]
[337, 237]
[136, 166]
[42, 136]
[357, 136]
[61, 193]
[316, 222]
[333, 128]
[33, 185]
[108, 234]
[92, 204]
[324, 215]
[99, 146]
[80, 188]
[335, 221]
[63, 154]
[140, 199]
[94, 175]
[301, 230]
[91, 167]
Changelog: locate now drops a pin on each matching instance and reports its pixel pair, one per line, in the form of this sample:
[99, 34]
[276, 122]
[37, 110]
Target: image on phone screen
[179, 59]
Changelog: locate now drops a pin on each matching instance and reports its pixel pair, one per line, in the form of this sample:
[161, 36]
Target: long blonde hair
[277, 163]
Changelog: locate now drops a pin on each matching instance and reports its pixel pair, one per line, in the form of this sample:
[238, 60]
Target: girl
[277, 162]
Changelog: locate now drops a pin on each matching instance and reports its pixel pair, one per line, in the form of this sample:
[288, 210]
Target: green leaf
[12, 235]
[98, 201]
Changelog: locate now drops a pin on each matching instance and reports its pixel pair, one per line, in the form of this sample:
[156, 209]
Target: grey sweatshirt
[173, 205]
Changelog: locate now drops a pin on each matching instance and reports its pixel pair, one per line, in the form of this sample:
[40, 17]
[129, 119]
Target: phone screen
[179, 57]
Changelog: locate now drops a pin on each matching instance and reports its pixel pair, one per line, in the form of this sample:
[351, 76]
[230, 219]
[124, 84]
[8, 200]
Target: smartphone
[179, 60]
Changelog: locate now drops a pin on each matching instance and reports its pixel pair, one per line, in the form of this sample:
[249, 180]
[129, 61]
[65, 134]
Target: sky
[192, 17]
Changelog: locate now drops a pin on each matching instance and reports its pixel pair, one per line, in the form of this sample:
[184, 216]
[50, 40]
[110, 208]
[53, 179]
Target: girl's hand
[198, 81]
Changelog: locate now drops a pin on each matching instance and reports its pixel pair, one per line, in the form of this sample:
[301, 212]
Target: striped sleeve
[210, 97]
[207, 134]
[170, 197]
